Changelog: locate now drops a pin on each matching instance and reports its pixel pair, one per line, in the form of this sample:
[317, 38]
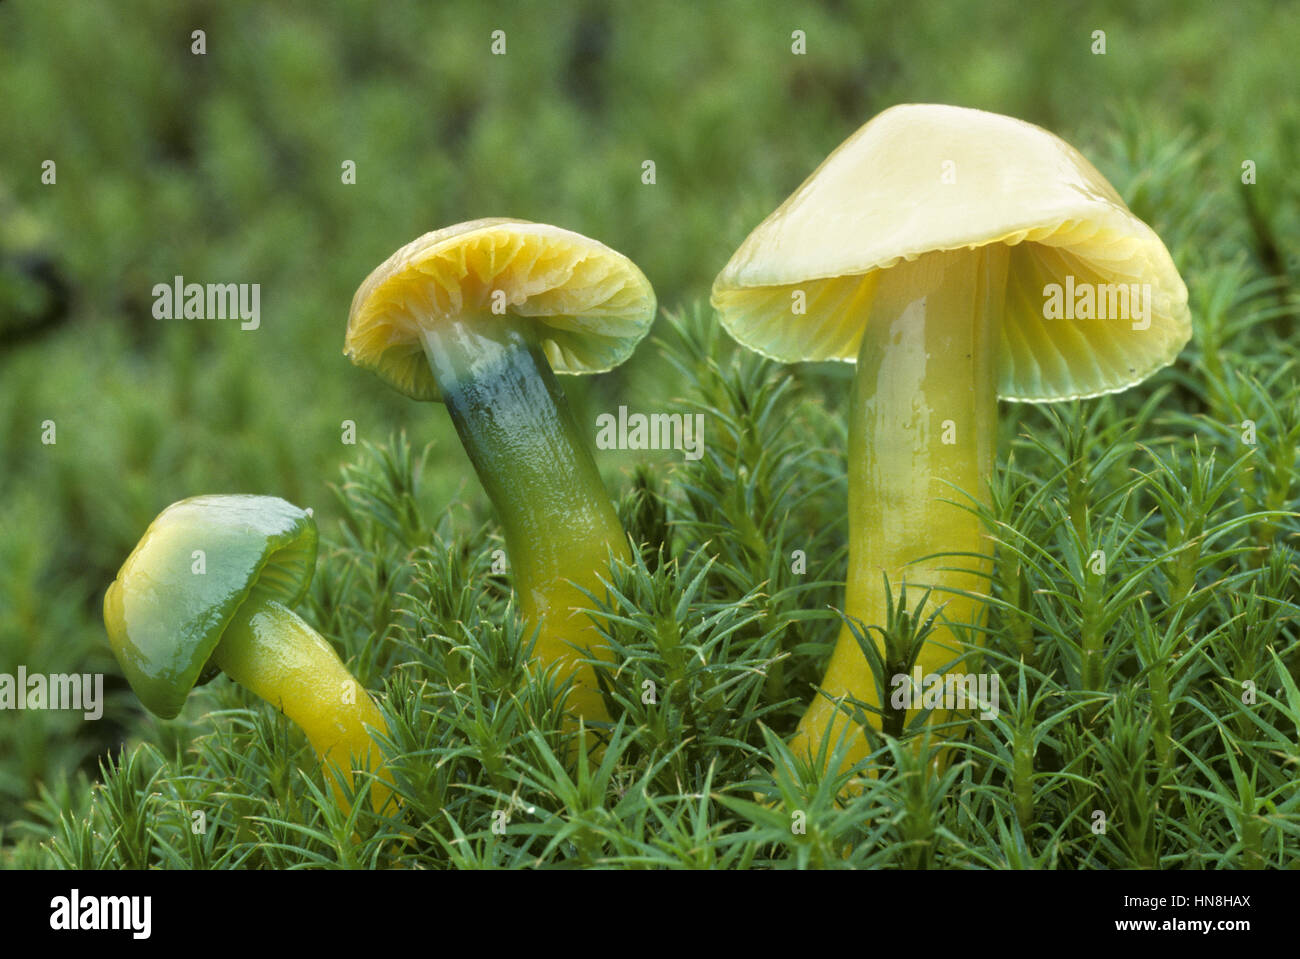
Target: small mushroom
[209, 589]
[480, 316]
[953, 255]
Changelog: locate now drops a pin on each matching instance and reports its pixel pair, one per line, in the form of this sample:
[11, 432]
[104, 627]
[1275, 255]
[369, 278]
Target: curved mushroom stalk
[922, 432]
[481, 316]
[559, 524]
[270, 651]
[209, 588]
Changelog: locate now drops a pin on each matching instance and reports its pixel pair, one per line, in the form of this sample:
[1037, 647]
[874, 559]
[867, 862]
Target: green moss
[1161, 693]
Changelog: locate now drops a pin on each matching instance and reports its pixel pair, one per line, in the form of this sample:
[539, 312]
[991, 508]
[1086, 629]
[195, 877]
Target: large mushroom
[210, 589]
[480, 316]
[958, 257]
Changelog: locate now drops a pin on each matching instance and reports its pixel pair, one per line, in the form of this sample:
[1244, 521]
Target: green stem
[270, 650]
[1092, 638]
[1018, 624]
[1023, 773]
[1161, 728]
[560, 526]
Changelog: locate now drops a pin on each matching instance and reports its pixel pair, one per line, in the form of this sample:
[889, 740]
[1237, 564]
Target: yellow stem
[269, 650]
[923, 426]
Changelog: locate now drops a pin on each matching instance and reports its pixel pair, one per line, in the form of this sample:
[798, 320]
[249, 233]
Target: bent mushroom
[480, 316]
[209, 589]
[957, 257]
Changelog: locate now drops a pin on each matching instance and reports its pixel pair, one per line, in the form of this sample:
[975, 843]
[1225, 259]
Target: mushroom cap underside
[589, 305]
[1094, 303]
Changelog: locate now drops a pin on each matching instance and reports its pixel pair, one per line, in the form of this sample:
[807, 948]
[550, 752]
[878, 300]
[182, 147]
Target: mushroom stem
[268, 649]
[560, 526]
[922, 437]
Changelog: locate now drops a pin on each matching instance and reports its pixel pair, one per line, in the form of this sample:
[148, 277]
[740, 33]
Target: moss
[1182, 739]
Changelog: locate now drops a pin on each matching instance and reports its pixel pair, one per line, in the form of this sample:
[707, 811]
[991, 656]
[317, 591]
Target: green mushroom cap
[196, 565]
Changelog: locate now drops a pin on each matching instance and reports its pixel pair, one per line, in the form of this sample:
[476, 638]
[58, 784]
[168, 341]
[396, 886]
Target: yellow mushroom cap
[591, 304]
[919, 178]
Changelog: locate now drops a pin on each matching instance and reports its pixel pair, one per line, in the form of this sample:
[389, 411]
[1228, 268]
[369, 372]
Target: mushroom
[958, 257]
[480, 316]
[209, 589]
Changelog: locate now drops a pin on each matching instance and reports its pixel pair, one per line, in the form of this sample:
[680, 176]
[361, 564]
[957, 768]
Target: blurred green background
[226, 167]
